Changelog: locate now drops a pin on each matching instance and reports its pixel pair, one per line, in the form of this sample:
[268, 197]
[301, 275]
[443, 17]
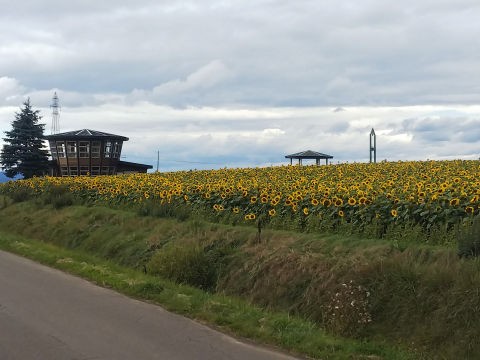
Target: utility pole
[158, 159]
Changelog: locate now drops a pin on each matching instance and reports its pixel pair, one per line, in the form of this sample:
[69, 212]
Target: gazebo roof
[309, 154]
[85, 133]
[128, 164]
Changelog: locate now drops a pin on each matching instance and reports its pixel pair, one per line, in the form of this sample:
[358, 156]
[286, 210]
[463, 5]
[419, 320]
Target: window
[84, 149]
[84, 171]
[117, 148]
[73, 171]
[95, 149]
[64, 171]
[71, 149]
[108, 149]
[53, 149]
[61, 149]
[95, 170]
[105, 170]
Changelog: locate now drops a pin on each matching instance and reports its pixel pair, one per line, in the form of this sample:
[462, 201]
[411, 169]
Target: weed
[187, 264]
[468, 239]
[164, 210]
[5, 201]
[20, 194]
[348, 311]
[149, 289]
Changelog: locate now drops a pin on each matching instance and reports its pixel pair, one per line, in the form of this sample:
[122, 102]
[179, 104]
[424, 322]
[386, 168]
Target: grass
[417, 295]
[227, 313]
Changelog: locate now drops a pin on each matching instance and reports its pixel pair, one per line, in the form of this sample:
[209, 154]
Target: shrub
[199, 265]
[468, 239]
[20, 194]
[187, 264]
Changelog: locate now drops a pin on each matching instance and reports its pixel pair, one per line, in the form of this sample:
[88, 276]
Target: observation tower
[89, 152]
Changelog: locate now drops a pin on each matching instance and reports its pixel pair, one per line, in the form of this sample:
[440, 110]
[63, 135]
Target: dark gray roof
[309, 154]
[127, 164]
[85, 133]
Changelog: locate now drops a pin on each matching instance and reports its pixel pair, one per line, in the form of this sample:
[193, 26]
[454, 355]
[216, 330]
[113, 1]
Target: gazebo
[309, 154]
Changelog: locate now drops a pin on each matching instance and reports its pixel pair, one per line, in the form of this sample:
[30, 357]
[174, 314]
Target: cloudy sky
[234, 83]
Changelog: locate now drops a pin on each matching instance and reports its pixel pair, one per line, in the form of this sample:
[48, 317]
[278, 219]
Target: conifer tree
[23, 152]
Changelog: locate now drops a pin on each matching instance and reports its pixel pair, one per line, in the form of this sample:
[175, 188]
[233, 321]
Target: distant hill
[4, 178]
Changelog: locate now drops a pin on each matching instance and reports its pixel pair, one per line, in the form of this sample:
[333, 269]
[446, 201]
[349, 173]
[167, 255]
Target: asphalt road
[49, 315]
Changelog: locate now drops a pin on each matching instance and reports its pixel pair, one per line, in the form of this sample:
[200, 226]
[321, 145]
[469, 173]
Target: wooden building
[89, 153]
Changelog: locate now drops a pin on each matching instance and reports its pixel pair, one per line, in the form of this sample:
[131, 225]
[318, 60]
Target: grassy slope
[230, 314]
[422, 297]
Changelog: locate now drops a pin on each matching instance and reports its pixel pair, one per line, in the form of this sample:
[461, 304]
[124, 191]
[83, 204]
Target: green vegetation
[411, 295]
[23, 152]
[428, 200]
[228, 313]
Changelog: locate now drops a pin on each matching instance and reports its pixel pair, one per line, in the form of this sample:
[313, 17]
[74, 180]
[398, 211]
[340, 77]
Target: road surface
[49, 315]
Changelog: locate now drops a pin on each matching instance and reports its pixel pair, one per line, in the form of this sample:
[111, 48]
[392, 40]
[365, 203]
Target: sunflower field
[423, 194]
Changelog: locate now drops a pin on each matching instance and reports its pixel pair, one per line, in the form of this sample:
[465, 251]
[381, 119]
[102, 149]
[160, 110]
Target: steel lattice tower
[55, 115]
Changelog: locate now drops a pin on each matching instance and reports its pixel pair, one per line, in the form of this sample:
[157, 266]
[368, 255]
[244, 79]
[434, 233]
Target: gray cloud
[305, 53]
[202, 137]
[242, 82]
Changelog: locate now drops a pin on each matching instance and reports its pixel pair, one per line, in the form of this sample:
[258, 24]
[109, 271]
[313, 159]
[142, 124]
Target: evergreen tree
[23, 152]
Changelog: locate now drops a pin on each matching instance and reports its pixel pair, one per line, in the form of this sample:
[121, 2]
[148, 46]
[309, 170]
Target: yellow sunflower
[326, 202]
[469, 210]
[454, 202]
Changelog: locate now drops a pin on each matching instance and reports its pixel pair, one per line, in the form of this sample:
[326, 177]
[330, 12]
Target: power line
[190, 162]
